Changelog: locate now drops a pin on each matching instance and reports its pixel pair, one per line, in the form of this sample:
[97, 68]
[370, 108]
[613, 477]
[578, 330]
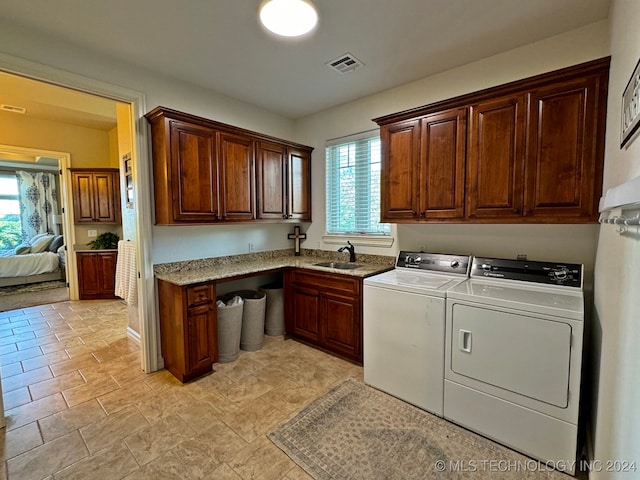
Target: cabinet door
[495, 158]
[442, 157]
[299, 185]
[341, 324]
[88, 276]
[106, 204]
[201, 338]
[194, 173]
[237, 177]
[400, 171]
[271, 182]
[83, 197]
[305, 311]
[106, 273]
[562, 155]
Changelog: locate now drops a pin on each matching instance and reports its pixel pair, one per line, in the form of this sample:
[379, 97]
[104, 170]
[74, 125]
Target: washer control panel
[434, 262]
[566, 274]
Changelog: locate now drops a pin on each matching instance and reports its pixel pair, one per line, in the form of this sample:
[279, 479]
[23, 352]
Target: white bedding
[28, 264]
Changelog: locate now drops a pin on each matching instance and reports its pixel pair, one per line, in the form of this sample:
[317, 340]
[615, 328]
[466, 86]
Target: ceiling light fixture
[289, 18]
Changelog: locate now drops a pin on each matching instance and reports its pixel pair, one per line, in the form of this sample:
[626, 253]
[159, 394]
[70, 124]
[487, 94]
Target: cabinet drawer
[199, 295]
[328, 281]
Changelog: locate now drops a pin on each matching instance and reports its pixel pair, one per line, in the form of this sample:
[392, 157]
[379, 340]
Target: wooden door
[106, 201]
[237, 180]
[83, 197]
[106, 273]
[561, 166]
[495, 158]
[299, 185]
[271, 181]
[442, 159]
[89, 286]
[194, 173]
[400, 171]
[341, 324]
[201, 338]
[305, 312]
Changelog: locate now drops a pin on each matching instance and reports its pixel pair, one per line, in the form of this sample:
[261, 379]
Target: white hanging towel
[127, 273]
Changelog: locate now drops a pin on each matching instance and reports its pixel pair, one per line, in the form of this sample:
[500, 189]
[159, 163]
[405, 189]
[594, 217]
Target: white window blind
[353, 186]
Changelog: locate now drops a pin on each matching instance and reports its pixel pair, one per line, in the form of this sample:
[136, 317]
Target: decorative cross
[297, 236]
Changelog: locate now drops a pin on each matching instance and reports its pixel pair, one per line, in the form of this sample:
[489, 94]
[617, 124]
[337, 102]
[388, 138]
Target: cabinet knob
[516, 211]
[414, 213]
[527, 211]
[285, 215]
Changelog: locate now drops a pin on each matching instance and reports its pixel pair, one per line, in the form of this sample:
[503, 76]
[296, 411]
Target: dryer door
[516, 352]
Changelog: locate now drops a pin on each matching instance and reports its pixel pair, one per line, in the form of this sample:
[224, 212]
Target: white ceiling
[219, 44]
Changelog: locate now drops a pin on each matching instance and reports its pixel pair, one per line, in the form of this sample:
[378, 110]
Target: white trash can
[274, 316]
[252, 336]
[229, 329]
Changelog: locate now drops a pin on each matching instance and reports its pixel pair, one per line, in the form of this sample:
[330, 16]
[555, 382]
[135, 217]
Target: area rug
[23, 296]
[357, 432]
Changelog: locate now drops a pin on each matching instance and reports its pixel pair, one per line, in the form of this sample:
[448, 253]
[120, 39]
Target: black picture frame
[630, 107]
[128, 179]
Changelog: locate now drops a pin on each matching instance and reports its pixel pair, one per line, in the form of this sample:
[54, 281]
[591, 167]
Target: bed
[42, 259]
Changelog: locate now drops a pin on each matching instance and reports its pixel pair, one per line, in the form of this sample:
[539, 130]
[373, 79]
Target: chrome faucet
[352, 251]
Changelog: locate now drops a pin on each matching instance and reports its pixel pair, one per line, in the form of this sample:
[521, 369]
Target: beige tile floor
[78, 405]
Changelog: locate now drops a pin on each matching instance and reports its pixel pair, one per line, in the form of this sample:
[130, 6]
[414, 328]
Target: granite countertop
[221, 268]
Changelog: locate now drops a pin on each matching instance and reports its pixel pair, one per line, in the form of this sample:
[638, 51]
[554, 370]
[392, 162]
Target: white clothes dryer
[514, 353]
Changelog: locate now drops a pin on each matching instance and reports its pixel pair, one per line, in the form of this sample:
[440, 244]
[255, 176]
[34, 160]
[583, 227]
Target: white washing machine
[513, 356]
[403, 326]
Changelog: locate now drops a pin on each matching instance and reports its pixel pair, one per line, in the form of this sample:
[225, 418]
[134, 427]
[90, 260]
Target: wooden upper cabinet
[208, 172]
[96, 195]
[562, 170]
[299, 184]
[531, 151]
[194, 172]
[237, 179]
[442, 149]
[271, 180]
[400, 170]
[495, 157]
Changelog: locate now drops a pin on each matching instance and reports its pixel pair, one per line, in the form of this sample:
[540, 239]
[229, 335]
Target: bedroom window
[10, 227]
[353, 186]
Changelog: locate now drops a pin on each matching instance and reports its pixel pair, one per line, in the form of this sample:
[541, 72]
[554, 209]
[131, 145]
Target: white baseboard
[133, 335]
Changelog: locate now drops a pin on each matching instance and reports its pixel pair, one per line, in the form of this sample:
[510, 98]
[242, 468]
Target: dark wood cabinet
[208, 172]
[96, 195]
[495, 158]
[96, 274]
[237, 178]
[442, 150]
[325, 310]
[564, 140]
[188, 328]
[531, 151]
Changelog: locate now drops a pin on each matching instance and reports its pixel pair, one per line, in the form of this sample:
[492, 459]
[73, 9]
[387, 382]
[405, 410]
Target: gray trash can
[274, 316]
[252, 336]
[229, 330]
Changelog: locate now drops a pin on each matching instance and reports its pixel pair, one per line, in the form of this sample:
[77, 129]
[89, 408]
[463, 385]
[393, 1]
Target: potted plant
[105, 241]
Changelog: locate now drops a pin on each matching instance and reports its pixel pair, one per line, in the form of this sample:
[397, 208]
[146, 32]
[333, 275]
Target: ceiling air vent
[345, 63]
[12, 108]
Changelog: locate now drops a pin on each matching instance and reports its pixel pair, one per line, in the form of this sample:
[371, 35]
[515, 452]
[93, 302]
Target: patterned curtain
[38, 197]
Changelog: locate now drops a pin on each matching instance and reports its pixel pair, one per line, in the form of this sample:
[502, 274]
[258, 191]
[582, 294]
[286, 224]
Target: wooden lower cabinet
[325, 310]
[188, 328]
[96, 274]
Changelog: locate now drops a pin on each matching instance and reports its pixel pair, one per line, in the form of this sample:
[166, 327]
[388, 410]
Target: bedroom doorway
[50, 281]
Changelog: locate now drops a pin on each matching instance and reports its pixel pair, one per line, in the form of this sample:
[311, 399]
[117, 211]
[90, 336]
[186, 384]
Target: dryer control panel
[565, 274]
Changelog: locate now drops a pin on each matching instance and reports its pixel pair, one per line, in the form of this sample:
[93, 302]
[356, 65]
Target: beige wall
[613, 345]
[549, 242]
[89, 148]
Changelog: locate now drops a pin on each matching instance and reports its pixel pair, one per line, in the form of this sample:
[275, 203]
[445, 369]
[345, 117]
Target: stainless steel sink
[338, 265]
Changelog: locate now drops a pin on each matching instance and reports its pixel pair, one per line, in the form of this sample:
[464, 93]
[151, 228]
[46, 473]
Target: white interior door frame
[142, 186]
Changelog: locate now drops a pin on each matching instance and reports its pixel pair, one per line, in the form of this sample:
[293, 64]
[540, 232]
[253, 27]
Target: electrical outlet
[521, 256]
[92, 233]
[251, 247]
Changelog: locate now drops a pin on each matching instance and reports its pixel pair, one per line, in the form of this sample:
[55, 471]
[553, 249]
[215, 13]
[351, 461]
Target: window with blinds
[353, 186]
